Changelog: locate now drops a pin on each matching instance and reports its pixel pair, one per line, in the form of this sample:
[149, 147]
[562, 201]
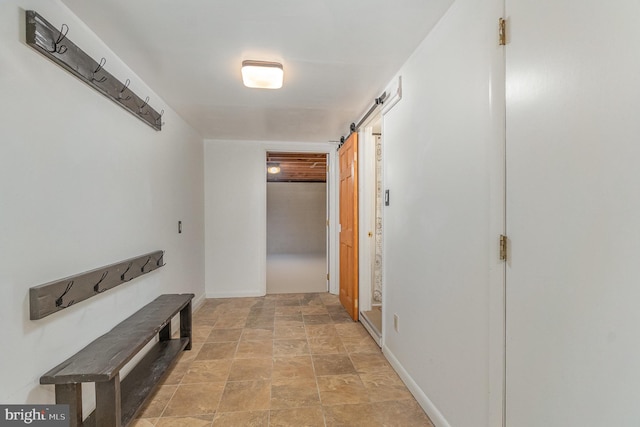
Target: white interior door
[573, 214]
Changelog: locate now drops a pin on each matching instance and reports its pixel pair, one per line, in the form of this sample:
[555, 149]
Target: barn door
[348, 156]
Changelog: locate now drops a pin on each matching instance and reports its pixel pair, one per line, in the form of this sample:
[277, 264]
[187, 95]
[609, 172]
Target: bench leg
[71, 394]
[165, 333]
[185, 324]
[108, 403]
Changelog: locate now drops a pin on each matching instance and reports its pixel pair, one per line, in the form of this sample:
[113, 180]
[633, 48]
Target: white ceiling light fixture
[273, 168]
[262, 74]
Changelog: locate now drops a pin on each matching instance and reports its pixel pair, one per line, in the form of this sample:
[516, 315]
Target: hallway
[281, 360]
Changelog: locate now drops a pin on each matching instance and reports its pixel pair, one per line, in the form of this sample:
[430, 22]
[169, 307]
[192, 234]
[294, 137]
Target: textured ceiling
[338, 56]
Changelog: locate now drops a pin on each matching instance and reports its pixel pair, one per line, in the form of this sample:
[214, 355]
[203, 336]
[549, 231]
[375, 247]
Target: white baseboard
[198, 302]
[436, 416]
[235, 294]
[365, 322]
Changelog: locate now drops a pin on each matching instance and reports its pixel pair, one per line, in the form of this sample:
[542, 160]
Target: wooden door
[349, 225]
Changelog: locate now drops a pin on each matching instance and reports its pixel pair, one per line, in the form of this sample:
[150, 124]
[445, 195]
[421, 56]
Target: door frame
[332, 202]
[366, 213]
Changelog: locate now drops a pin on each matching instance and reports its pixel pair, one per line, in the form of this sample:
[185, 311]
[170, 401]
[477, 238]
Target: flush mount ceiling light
[262, 75]
[273, 168]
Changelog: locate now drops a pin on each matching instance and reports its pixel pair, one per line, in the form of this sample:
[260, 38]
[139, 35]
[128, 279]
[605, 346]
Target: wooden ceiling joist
[298, 167]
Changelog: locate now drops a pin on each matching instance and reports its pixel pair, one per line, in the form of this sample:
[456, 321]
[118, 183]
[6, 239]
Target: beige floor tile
[313, 309]
[251, 369]
[357, 415]
[225, 322]
[199, 334]
[293, 317]
[294, 393]
[295, 367]
[288, 321]
[157, 402]
[292, 347]
[224, 335]
[255, 349]
[321, 330]
[369, 363]
[401, 413]
[174, 374]
[219, 350]
[250, 334]
[260, 323]
[195, 421]
[316, 319]
[242, 419]
[245, 396]
[235, 309]
[360, 344]
[351, 330]
[283, 310]
[293, 301]
[190, 355]
[262, 348]
[341, 390]
[342, 318]
[290, 332]
[333, 364]
[383, 386]
[326, 345]
[297, 417]
[207, 371]
[194, 399]
[205, 319]
[144, 422]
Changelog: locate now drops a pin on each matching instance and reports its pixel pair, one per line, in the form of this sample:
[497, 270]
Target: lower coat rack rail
[54, 296]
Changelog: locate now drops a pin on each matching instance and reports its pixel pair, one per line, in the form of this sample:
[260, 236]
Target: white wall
[443, 161]
[296, 218]
[236, 215]
[83, 184]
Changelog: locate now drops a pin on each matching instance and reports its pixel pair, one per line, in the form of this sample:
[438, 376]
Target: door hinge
[503, 247]
[502, 32]
[327, 276]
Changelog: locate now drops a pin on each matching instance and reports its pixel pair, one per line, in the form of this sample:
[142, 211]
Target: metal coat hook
[120, 94]
[144, 104]
[159, 119]
[125, 272]
[57, 47]
[145, 264]
[59, 300]
[96, 287]
[102, 63]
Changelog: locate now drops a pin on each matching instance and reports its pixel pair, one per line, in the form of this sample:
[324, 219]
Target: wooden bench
[117, 402]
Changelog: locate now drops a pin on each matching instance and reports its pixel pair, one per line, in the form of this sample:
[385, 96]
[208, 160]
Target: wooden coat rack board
[54, 44]
[57, 295]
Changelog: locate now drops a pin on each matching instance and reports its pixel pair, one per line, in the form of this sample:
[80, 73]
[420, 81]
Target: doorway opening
[297, 212]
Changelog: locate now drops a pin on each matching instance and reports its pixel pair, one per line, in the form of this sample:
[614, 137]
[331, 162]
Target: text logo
[34, 415]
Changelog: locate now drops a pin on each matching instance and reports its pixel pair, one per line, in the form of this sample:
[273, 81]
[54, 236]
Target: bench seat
[100, 362]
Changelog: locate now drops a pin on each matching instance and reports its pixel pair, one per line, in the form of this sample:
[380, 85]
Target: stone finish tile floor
[281, 360]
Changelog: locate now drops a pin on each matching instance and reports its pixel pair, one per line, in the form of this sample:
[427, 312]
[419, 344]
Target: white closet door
[573, 213]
